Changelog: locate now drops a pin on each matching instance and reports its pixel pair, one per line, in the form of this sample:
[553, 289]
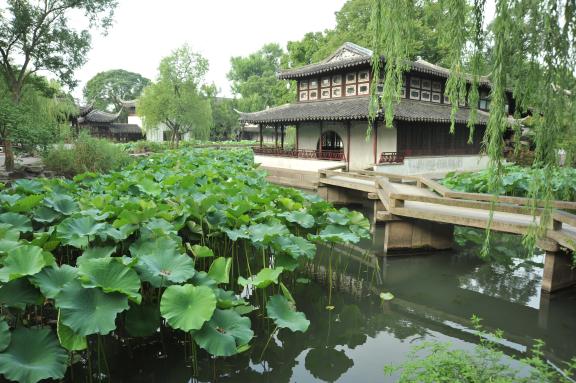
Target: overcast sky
[144, 31]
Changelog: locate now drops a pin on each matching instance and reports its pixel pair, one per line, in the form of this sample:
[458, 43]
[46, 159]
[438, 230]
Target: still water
[435, 296]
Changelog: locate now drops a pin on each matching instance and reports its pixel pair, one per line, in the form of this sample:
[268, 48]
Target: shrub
[86, 154]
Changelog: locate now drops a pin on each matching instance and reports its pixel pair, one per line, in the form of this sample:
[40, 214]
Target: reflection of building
[332, 110]
[104, 125]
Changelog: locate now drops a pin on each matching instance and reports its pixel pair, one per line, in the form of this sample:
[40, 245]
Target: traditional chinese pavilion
[332, 109]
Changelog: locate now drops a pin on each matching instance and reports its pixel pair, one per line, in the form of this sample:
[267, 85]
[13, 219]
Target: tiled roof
[356, 108]
[128, 103]
[362, 57]
[101, 117]
[118, 128]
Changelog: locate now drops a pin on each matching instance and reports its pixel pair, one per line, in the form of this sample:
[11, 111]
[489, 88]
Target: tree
[533, 54]
[224, 116]
[176, 99]
[108, 89]
[254, 79]
[35, 36]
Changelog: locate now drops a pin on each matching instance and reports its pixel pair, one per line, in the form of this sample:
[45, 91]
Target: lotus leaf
[284, 315]
[235, 234]
[261, 232]
[164, 267]
[225, 333]
[151, 246]
[148, 186]
[33, 355]
[338, 218]
[64, 204]
[187, 307]
[201, 278]
[4, 335]
[68, 338]
[296, 247]
[18, 293]
[51, 280]
[45, 215]
[23, 261]
[227, 299]
[10, 199]
[26, 204]
[142, 320]
[76, 232]
[111, 275]
[263, 279]
[337, 234]
[27, 186]
[89, 310]
[220, 270]
[201, 251]
[17, 221]
[96, 252]
[300, 217]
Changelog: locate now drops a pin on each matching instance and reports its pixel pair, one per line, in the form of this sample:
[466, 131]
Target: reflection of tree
[327, 364]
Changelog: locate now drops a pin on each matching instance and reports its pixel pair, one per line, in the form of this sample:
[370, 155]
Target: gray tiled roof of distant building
[101, 117]
[357, 108]
[119, 128]
[363, 58]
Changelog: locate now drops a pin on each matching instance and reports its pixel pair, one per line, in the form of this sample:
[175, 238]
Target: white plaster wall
[361, 150]
[294, 163]
[436, 164]
[136, 120]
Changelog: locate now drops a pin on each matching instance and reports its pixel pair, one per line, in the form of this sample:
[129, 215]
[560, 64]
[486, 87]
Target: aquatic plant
[188, 240]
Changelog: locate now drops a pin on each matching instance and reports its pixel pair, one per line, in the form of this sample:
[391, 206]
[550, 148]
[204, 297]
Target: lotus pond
[192, 245]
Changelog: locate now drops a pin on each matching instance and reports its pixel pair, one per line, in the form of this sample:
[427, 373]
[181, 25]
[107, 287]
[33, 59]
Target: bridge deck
[425, 199]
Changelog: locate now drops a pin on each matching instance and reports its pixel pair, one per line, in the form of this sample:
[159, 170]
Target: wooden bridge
[417, 198]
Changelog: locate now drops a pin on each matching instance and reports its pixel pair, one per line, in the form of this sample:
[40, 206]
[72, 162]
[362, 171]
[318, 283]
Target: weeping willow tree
[176, 99]
[532, 54]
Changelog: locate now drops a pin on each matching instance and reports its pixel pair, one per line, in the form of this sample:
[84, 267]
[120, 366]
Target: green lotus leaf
[27, 186]
[263, 279]
[158, 227]
[225, 333]
[227, 299]
[220, 269]
[338, 218]
[45, 215]
[284, 315]
[76, 232]
[261, 232]
[150, 187]
[286, 262]
[152, 246]
[89, 310]
[201, 278]
[4, 335]
[33, 355]
[10, 199]
[142, 320]
[19, 293]
[235, 234]
[24, 205]
[64, 204]
[95, 253]
[200, 251]
[17, 221]
[111, 275]
[296, 247]
[24, 260]
[68, 338]
[300, 217]
[166, 266]
[187, 307]
[337, 234]
[51, 280]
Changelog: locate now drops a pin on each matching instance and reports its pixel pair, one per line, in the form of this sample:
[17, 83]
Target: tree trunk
[8, 155]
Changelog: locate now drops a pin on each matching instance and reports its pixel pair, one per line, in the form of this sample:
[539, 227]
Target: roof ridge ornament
[347, 51]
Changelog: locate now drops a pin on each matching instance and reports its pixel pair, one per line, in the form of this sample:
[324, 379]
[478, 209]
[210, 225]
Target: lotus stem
[267, 343]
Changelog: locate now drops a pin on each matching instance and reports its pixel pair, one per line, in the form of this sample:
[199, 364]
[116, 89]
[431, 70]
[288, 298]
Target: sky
[145, 31]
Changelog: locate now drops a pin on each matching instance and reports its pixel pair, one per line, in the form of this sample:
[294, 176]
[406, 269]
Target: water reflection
[435, 295]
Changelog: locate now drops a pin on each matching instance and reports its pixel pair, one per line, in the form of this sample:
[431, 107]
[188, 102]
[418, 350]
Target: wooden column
[297, 133]
[276, 135]
[348, 126]
[261, 135]
[320, 141]
[375, 140]
[282, 131]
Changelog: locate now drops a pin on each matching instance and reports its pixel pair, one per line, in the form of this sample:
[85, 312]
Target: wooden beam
[261, 135]
[375, 140]
[276, 135]
[348, 126]
[320, 142]
[297, 135]
[282, 127]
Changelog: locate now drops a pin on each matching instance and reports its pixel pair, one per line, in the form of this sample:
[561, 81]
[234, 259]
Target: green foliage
[254, 79]
[516, 181]
[440, 362]
[176, 99]
[173, 236]
[86, 153]
[108, 89]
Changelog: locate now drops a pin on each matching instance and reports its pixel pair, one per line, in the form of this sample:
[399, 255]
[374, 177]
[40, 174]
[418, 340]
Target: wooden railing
[391, 158]
[331, 155]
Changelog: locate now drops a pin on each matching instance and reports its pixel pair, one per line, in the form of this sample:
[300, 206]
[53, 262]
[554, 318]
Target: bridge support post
[416, 234]
[558, 271]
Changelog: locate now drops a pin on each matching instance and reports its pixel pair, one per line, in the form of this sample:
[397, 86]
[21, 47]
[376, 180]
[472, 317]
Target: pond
[436, 294]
